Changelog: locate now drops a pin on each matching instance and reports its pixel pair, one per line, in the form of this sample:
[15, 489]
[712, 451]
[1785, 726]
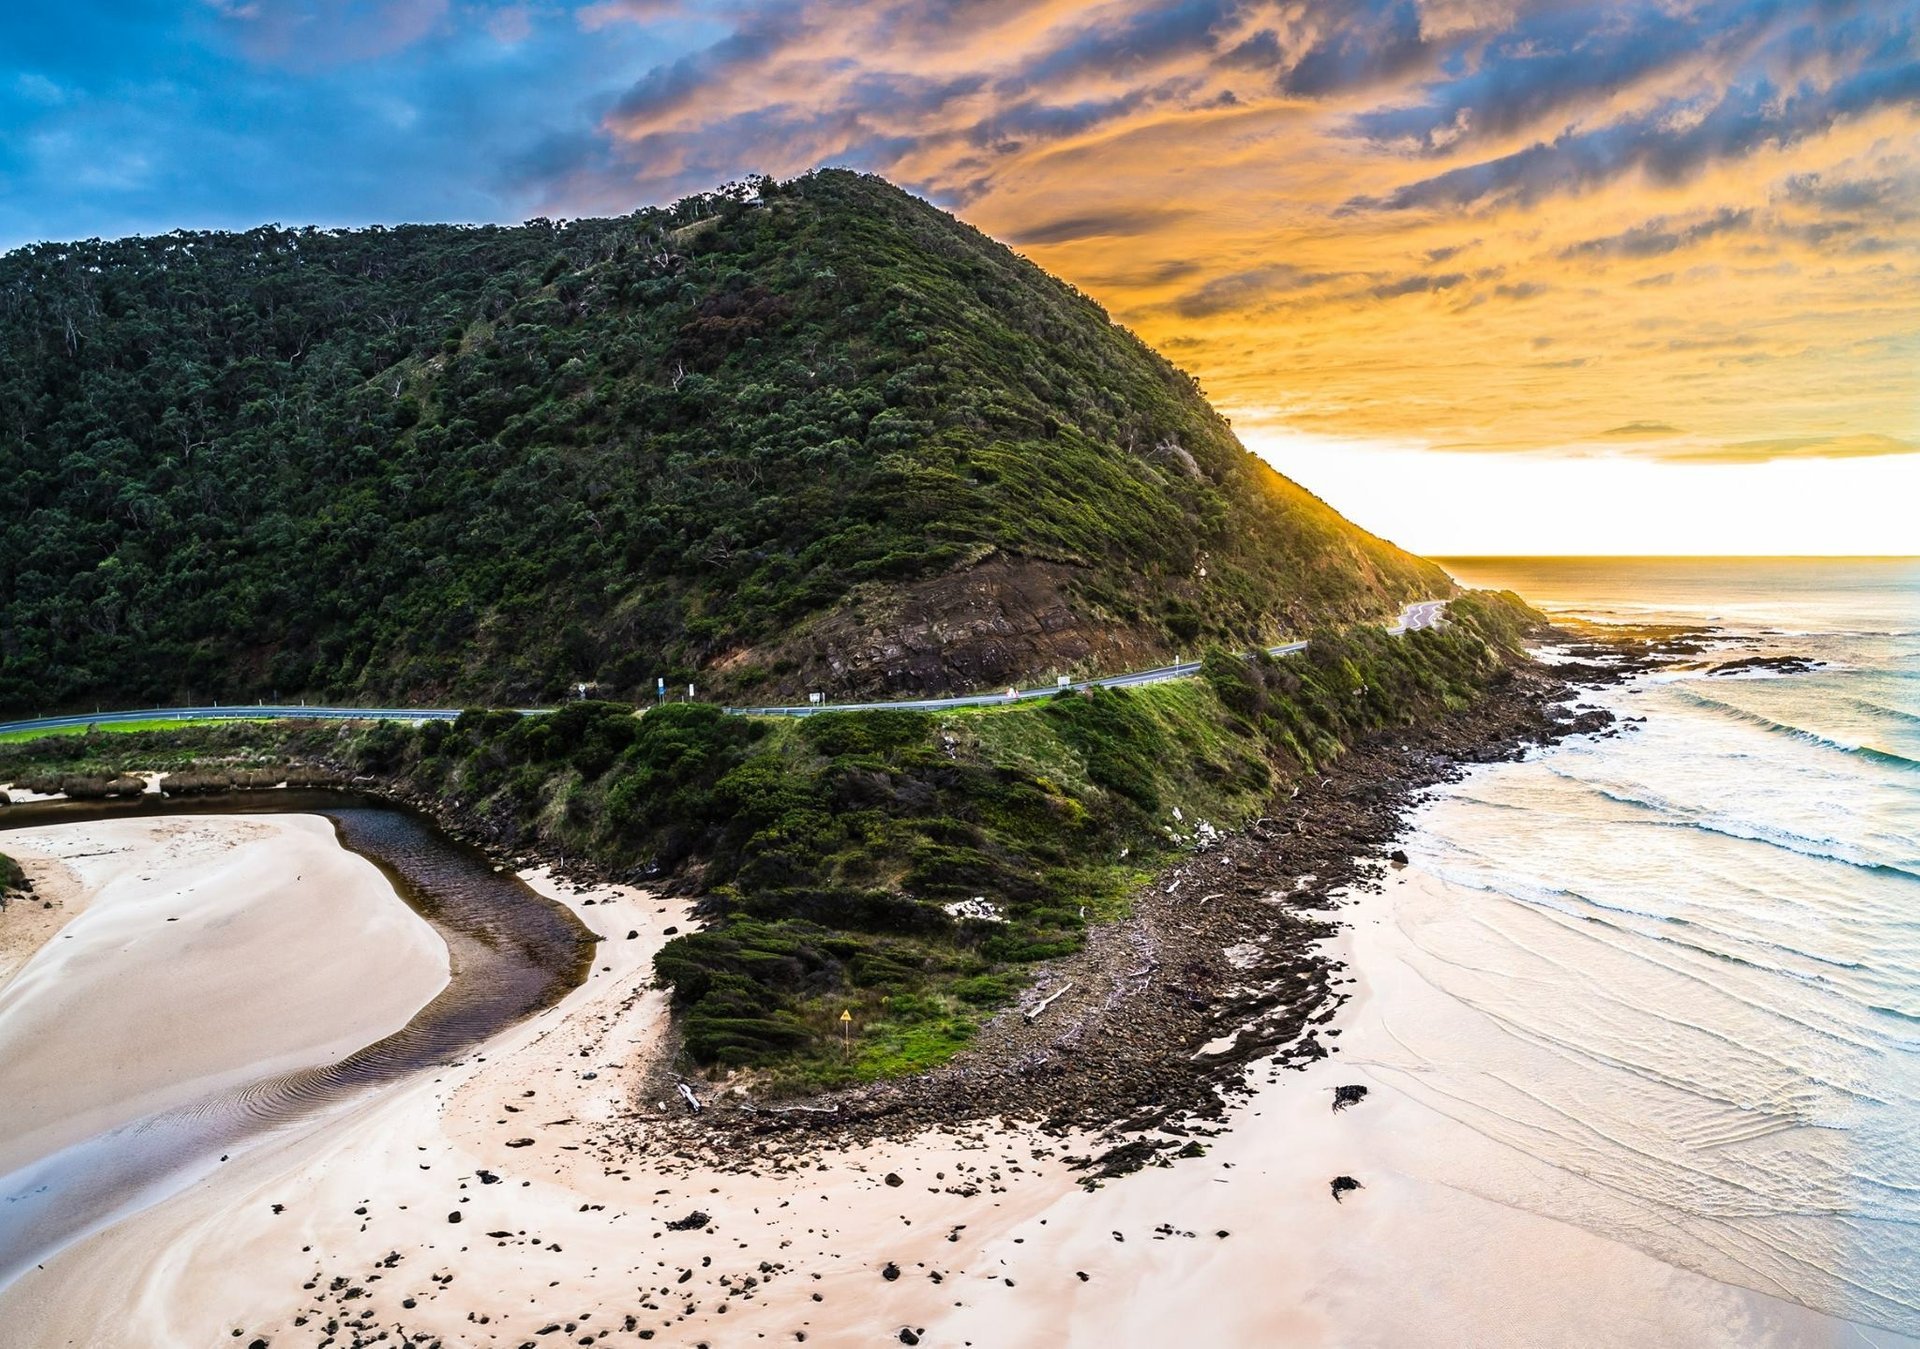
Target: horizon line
[1673, 557]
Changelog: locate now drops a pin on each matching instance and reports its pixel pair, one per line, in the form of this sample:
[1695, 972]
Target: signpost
[846, 1032]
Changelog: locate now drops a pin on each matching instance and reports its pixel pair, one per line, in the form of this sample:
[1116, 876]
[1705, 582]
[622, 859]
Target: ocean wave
[1806, 735]
[1674, 815]
[1588, 909]
[1878, 709]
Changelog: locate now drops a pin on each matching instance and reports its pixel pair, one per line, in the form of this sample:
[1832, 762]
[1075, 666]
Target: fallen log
[1032, 1014]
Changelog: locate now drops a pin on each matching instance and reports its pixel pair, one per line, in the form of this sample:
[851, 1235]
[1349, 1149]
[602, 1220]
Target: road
[1425, 614]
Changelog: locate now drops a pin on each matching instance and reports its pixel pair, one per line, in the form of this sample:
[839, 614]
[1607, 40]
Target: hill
[816, 434]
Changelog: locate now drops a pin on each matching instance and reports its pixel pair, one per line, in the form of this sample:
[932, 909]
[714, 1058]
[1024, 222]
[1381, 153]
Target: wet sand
[349, 1229]
[197, 953]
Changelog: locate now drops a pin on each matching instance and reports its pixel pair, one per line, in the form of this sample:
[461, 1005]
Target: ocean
[1681, 965]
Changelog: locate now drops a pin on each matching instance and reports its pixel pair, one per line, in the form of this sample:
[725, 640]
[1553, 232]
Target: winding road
[1415, 617]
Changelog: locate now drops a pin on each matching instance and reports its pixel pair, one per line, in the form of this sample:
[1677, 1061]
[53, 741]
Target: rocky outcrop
[1003, 620]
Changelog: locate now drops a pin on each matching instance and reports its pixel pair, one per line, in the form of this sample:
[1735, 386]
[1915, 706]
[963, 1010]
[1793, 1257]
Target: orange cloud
[1486, 225]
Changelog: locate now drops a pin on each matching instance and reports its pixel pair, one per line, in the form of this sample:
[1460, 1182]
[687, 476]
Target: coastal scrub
[902, 868]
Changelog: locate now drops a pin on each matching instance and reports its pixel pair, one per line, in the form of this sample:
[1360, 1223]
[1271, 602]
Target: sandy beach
[474, 1206]
[198, 953]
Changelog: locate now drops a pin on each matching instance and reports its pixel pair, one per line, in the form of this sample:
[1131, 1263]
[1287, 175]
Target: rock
[691, 1223]
[1342, 1184]
[891, 1272]
[454, 1216]
[894, 1181]
[907, 1336]
[519, 1142]
[1398, 857]
[632, 933]
[1346, 1096]
[1080, 1274]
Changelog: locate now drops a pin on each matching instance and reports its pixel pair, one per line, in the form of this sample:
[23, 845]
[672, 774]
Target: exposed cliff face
[815, 432]
[998, 621]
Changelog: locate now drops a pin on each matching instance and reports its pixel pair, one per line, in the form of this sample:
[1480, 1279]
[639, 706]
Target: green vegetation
[12, 877]
[118, 727]
[484, 463]
[830, 849]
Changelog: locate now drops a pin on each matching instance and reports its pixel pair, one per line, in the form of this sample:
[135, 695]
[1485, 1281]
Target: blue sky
[139, 117]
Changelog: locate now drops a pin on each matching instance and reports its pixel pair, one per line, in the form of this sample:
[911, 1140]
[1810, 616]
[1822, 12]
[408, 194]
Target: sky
[1489, 275]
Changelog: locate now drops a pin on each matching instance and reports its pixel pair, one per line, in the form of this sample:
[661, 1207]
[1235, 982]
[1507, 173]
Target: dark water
[511, 951]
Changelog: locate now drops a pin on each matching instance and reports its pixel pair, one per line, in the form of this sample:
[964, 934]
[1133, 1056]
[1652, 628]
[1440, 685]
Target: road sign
[846, 1031]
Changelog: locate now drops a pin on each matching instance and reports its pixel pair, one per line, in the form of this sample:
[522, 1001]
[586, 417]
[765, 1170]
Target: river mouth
[511, 953]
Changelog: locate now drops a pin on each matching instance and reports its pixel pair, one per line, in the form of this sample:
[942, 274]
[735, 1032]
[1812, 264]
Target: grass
[122, 727]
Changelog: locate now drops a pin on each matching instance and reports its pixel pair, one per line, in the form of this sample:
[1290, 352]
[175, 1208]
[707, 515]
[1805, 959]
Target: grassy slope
[118, 728]
[828, 846]
[485, 463]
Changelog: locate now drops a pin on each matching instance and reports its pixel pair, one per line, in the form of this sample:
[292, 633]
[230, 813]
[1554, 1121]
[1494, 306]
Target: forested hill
[816, 434]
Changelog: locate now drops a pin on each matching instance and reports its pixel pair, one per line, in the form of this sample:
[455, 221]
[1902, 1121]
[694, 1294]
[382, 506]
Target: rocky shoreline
[1144, 1037]
[1147, 1033]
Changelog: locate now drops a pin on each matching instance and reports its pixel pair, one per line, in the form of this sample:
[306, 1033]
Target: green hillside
[806, 435]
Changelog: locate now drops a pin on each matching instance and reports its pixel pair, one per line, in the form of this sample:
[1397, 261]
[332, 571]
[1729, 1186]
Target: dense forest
[706, 442]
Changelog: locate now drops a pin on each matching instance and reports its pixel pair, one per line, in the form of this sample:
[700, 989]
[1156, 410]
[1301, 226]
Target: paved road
[1425, 614]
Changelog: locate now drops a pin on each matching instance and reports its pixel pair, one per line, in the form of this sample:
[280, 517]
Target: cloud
[1788, 98]
[307, 34]
[1846, 446]
[1369, 44]
[1239, 290]
[1116, 223]
[1639, 431]
[1656, 237]
[1419, 284]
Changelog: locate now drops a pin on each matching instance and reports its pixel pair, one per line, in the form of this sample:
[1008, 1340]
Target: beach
[197, 953]
[475, 1205]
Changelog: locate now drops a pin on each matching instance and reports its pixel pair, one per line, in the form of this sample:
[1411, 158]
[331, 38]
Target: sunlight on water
[1687, 959]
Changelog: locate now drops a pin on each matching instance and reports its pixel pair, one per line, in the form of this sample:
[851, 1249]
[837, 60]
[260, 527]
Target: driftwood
[1032, 1014]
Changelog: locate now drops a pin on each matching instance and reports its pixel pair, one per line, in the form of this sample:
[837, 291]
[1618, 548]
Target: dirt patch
[1002, 620]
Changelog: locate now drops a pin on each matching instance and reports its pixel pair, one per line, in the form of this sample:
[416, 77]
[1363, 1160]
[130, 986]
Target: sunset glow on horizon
[1651, 265]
